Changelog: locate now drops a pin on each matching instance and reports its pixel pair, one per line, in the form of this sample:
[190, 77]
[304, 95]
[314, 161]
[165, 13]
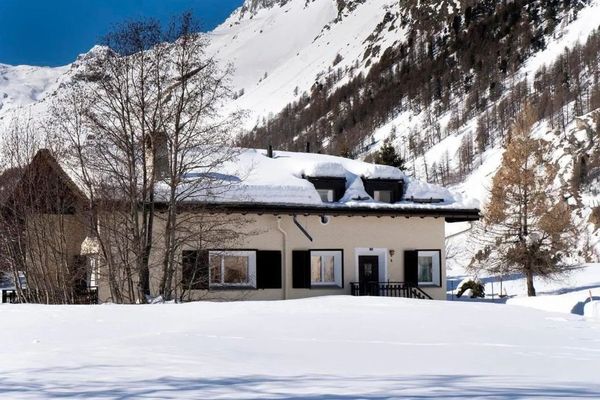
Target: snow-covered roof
[251, 179]
[255, 178]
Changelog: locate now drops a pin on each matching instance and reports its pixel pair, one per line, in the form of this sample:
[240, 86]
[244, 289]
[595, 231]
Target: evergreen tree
[527, 222]
[387, 155]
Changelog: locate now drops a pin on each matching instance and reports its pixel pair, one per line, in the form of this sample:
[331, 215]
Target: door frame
[372, 251]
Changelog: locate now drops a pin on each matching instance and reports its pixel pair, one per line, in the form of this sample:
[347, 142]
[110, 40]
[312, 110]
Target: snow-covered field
[322, 348]
[566, 294]
[580, 279]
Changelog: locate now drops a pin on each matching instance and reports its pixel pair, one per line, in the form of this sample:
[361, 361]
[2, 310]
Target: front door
[368, 271]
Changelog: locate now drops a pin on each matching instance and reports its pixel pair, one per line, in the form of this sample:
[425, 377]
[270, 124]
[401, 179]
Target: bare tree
[147, 131]
[197, 139]
[38, 219]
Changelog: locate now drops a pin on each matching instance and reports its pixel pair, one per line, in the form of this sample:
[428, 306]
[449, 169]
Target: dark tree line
[445, 57]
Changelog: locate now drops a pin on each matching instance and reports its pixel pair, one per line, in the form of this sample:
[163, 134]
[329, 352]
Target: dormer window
[327, 195]
[384, 196]
[330, 189]
[384, 190]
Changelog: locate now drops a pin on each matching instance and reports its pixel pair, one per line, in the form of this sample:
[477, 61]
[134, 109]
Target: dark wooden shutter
[79, 271]
[399, 191]
[339, 189]
[411, 269]
[194, 269]
[268, 269]
[301, 269]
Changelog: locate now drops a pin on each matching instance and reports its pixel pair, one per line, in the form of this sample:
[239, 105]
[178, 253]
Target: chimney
[270, 151]
[157, 155]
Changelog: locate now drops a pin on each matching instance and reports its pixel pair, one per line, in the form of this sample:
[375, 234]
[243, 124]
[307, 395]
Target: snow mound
[325, 169]
[375, 171]
[592, 310]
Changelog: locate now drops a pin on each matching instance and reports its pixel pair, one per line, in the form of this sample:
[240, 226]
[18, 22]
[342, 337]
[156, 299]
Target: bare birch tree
[147, 131]
[38, 219]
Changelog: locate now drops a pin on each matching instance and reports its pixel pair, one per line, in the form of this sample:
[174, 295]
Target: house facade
[307, 225]
[323, 257]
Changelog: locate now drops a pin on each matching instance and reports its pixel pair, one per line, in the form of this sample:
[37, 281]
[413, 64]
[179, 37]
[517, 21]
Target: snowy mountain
[281, 48]
[278, 48]
[329, 65]
[24, 85]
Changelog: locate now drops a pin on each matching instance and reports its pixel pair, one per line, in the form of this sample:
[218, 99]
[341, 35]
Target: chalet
[307, 225]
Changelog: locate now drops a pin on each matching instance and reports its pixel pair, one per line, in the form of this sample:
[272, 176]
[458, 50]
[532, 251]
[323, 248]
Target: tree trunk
[166, 285]
[530, 288]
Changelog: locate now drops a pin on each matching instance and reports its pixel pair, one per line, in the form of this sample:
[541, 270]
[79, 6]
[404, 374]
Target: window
[232, 268]
[93, 271]
[428, 268]
[384, 190]
[326, 195]
[385, 196]
[326, 268]
[329, 189]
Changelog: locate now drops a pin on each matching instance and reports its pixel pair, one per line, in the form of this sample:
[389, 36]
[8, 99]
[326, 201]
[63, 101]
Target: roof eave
[449, 214]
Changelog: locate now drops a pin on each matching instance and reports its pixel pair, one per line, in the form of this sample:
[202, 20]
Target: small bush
[477, 289]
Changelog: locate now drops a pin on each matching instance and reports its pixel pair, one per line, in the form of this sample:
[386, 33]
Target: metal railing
[88, 296]
[388, 289]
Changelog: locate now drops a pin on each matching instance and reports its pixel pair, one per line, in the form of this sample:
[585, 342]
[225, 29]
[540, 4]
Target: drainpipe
[304, 231]
[284, 261]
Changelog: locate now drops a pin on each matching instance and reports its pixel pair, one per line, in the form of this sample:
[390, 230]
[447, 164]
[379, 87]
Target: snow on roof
[253, 177]
[256, 178]
[322, 169]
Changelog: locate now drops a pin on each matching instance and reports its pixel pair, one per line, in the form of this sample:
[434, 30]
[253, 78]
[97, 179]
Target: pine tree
[528, 223]
[387, 155]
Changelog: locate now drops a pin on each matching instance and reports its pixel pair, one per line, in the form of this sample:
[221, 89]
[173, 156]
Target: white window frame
[330, 195]
[436, 267]
[93, 270]
[338, 272]
[235, 253]
[376, 195]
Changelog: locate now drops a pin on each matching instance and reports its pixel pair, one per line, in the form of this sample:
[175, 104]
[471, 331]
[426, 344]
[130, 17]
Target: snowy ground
[323, 348]
[567, 294]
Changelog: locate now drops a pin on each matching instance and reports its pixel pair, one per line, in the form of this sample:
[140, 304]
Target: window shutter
[339, 189]
[301, 269]
[400, 191]
[194, 269]
[79, 268]
[411, 269]
[339, 270]
[268, 269]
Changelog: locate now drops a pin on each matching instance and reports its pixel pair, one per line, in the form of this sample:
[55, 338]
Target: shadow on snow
[311, 387]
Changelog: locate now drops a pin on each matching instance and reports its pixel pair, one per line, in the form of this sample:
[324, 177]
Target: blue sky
[54, 32]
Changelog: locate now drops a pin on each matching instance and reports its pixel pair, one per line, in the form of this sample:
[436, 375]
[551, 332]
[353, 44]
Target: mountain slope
[444, 78]
[25, 85]
[280, 50]
[450, 116]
